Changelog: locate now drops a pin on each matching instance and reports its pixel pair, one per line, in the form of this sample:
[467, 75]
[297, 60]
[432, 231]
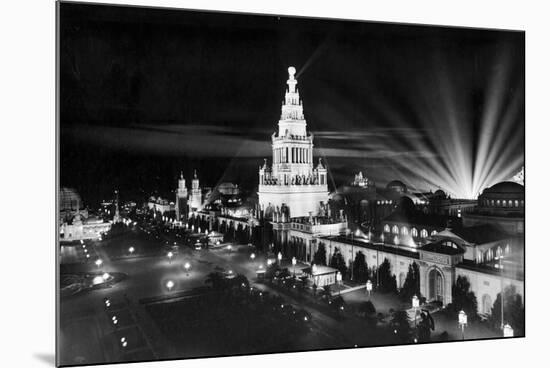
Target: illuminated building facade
[181, 200]
[292, 181]
[195, 198]
[502, 205]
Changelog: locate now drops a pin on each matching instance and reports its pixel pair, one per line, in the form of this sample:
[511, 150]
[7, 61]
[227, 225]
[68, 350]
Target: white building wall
[488, 284]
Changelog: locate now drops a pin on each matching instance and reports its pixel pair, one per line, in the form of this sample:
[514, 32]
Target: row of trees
[359, 270]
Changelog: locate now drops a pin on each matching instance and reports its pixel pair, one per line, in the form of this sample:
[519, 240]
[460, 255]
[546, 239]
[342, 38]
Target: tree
[463, 298]
[387, 281]
[368, 311]
[216, 280]
[401, 326]
[514, 311]
[360, 268]
[326, 293]
[320, 257]
[240, 281]
[337, 261]
[411, 286]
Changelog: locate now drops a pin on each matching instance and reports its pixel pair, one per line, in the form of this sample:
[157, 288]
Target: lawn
[220, 323]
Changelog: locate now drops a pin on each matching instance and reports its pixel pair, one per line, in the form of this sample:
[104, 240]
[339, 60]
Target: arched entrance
[435, 285]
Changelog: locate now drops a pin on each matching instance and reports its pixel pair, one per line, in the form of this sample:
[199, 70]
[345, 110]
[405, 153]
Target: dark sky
[145, 93]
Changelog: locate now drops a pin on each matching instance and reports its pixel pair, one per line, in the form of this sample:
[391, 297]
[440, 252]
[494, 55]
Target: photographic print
[236, 184]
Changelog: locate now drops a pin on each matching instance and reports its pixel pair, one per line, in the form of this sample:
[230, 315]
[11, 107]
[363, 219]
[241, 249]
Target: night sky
[145, 93]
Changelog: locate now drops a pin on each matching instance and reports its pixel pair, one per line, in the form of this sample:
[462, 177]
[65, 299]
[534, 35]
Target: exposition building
[293, 196]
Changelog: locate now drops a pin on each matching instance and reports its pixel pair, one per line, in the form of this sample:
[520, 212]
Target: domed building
[397, 186]
[69, 204]
[502, 205]
[75, 222]
[503, 198]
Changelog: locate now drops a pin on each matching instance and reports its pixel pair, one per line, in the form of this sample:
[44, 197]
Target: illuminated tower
[116, 217]
[196, 194]
[292, 182]
[181, 199]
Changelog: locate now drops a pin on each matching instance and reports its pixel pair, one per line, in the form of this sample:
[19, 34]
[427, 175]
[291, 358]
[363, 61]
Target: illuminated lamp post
[169, 285]
[131, 250]
[369, 287]
[508, 331]
[415, 305]
[170, 255]
[98, 262]
[279, 258]
[501, 269]
[294, 266]
[187, 266]
[462, 321]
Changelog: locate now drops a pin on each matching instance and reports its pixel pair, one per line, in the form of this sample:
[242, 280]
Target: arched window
[387, 228]
[507, 249]
[423, 233]
[499, 251]
[516, 203]
[498, 202]
[450, 244]
[522, 203]
[404, 231]
[414, 232]
[510, 203]
[492, 202]
[395, 229]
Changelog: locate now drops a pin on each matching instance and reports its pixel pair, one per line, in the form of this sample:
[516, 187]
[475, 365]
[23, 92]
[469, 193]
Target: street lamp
[369, 287]
[279, 257]
[499, 257]
[415, 304]
[294, 266]
[169, 285]
[462, 321]
[508, 331]
[123, 342]
[131, 250]
[98, 262]
[170, 255]
[252, 256]
[187, 266]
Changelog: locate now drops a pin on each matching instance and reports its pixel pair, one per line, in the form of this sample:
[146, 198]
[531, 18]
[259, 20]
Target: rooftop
[418, 218]
[480, 234]
[439, 247]
[369, 245]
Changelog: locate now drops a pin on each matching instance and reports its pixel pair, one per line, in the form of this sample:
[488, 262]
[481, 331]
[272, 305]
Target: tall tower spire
[116, 217]
[196, 193]
[292, 180]
[181, 198]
